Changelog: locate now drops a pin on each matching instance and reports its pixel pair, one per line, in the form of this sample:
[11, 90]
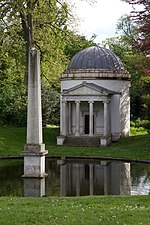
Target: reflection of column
[120, 178]
[105, 118]
[64, 112]
[125, 183]
[34, 187]
[77, 179]
[91, 118]
[91, 179]
[63, 179]
[70, 118]
[77, 118]
[105, 180]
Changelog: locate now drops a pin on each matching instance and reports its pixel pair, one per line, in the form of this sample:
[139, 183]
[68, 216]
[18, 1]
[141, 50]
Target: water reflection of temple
[103, 178]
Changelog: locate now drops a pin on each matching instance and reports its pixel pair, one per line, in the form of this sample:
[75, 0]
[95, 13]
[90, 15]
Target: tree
[37, 23]
[34, 23]
[136, 62]
[142, 18]
[77, 43]
[128, 29]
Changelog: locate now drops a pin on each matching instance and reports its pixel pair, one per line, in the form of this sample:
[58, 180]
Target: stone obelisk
[34, 151]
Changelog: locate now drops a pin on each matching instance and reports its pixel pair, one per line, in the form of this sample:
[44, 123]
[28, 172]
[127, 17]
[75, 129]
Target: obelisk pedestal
[34, 151]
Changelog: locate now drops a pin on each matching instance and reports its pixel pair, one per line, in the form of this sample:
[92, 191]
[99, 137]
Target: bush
[140, 125]
[50, 105]
[146, 125]
[132, 124]
[13, 107]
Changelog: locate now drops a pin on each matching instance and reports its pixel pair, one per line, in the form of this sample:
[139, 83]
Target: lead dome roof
[95, 57]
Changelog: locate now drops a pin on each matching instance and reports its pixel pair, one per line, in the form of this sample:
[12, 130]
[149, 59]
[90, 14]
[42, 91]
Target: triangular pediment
[87, 89]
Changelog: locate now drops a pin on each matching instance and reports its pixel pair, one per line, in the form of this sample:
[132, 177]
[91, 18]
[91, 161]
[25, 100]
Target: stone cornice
[85, 98]
[95, 74]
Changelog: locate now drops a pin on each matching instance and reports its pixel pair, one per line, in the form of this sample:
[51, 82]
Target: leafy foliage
[13, 100]
[43, 24]
[137, 63]
[50, 105]
[142, 18]
[24, 24]
[77, 43]
[37, 23]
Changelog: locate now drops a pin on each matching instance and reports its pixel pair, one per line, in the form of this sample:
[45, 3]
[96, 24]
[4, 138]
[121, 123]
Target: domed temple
[95, 100]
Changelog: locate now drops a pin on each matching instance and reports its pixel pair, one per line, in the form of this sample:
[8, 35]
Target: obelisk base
[34, 160]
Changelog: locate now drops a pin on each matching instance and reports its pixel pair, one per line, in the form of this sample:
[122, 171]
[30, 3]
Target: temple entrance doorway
[87, 124]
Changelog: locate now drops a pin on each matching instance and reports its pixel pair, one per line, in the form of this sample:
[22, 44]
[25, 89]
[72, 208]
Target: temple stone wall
[115, 117]
[125, 111]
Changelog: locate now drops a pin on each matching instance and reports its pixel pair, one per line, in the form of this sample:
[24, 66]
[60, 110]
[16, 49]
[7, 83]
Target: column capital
[91, 101]
[64, 101]
[77, 101]
[106, 101]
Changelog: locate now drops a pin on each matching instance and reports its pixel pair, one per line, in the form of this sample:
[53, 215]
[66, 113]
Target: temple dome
[95, 57]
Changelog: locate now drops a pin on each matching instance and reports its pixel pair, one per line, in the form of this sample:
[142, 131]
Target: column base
[106, 141]
[60, 140]
[116, 136]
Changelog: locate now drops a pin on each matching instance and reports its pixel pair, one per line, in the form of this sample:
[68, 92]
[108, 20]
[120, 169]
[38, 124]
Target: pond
[74, 177]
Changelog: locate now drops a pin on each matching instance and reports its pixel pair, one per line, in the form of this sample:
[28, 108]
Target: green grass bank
[72, 211]
[137, 146]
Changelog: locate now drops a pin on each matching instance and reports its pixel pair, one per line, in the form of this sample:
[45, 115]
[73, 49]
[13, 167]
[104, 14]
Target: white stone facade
[95, 103]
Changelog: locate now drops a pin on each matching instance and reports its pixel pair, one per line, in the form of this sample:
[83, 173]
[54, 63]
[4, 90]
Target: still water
[76, 178]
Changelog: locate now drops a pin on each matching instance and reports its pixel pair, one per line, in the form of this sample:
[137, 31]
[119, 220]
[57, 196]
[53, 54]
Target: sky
[100, 18]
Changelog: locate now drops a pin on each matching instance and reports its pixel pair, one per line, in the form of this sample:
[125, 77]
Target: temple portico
[84, 119]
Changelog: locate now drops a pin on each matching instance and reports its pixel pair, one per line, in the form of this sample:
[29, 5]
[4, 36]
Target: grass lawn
[12, 141]
[78, 210]
[92, 210]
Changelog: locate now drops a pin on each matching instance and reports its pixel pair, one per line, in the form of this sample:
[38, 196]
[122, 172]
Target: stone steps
[82, 141]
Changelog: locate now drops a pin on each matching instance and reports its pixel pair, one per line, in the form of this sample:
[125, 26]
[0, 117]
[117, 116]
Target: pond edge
[80, 158]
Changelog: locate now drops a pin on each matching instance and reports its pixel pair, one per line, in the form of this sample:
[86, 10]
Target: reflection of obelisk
[120, 178]
[34, 151]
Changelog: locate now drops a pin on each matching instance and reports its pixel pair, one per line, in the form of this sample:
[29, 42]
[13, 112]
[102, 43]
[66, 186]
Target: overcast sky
[100, 18]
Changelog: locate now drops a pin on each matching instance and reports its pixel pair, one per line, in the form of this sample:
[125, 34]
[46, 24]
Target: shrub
[146, 125]
[132, 124]
[50, 105]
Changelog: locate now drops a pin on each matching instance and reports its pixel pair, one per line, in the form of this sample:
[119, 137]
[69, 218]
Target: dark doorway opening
[87, 126]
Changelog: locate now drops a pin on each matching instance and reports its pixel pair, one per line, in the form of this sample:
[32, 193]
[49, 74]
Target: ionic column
[64, 120]
[77, 118]
[70, 118]
[105, 117]
[91, 118]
